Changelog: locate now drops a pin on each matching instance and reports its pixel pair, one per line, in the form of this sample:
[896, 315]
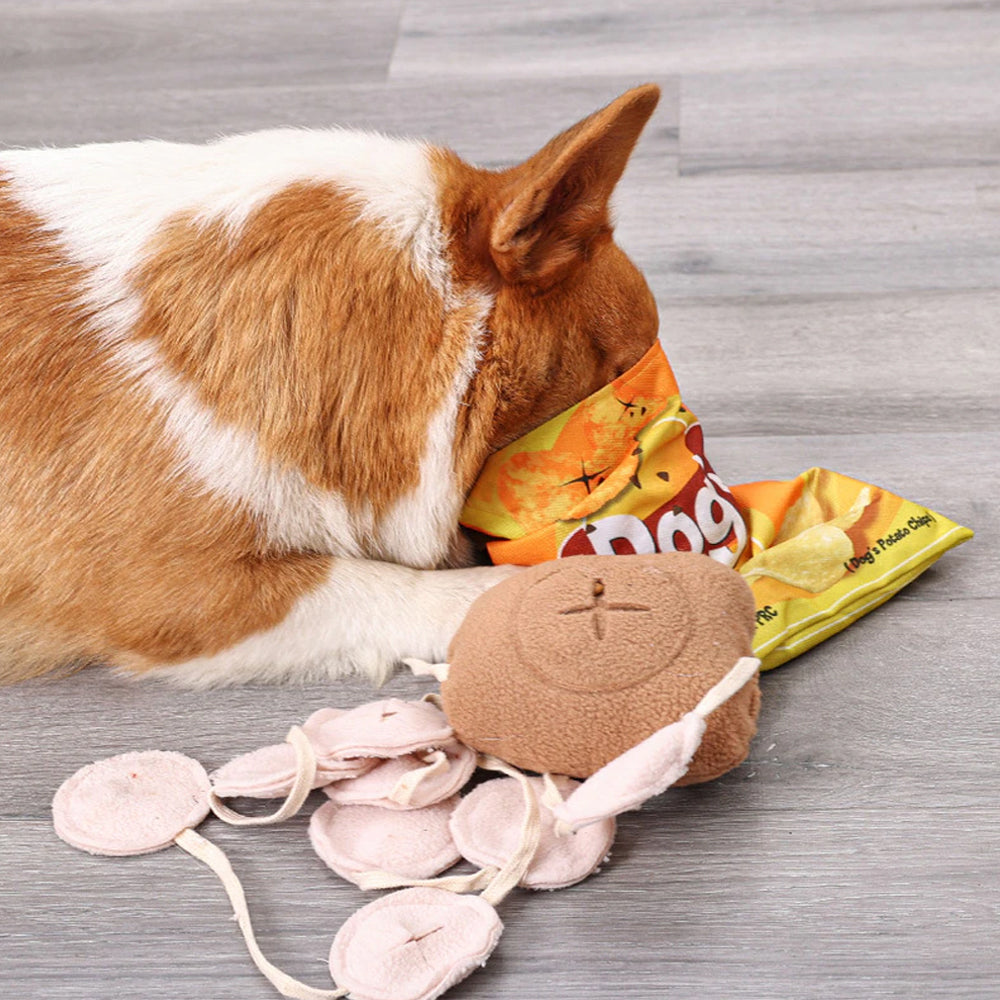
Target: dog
[246, 385]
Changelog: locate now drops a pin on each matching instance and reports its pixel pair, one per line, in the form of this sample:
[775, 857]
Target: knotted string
[436, 762]
[494, 883]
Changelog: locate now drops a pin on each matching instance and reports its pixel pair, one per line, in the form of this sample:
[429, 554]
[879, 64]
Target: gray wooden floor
[817, 206]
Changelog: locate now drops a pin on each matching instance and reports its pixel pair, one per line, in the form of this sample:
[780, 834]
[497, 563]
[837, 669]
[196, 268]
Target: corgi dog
[246, 385]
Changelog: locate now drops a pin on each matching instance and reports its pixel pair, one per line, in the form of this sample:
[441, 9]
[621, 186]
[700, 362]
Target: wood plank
[895, 364]
[713, 898]
[489, 126]
[508, 39]
[84, 70]
[830, 234]
[861, 118]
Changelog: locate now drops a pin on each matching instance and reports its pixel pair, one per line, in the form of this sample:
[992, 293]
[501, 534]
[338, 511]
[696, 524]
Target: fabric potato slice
[487, 829]
[411, 844]
[269, 773]
[413, 945]
[388, 728]
[412, 781]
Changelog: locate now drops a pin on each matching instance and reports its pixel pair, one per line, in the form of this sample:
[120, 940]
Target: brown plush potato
[569, 664]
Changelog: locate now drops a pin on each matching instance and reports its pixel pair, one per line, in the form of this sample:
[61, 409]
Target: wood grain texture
[508, 38]
[91, 70]
[817, 207]
[857, 118]
[858, 347]
[828, 234]
[487, 125]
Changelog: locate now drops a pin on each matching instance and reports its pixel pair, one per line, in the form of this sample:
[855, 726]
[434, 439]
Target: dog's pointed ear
[555, 203]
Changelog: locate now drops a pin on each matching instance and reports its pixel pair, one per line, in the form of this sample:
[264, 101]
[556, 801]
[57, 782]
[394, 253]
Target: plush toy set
[632, 673]
[612, 675]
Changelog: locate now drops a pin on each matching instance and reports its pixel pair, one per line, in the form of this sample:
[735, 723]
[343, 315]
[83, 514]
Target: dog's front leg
[364, 618]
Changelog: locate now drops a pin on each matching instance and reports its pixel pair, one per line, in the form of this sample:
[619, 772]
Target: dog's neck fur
[286, 260]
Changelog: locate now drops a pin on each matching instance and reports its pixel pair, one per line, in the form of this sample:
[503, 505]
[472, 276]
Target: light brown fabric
[567, 665]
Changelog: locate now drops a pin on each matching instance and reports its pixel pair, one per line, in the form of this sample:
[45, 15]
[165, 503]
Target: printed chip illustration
[816, 555]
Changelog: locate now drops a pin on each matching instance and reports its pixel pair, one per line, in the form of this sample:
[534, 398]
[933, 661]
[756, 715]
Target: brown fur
[340, 387]
[572, 311]
[106, 553]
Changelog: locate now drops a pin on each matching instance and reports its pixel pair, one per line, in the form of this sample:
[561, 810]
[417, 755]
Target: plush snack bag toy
[407, 823]
[624, 472]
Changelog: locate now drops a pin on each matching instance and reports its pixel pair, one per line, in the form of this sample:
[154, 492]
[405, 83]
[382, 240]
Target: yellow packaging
[885, 542]
[624, 471]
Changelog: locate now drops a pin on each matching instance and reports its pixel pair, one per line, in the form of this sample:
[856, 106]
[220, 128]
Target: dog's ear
[555, 203]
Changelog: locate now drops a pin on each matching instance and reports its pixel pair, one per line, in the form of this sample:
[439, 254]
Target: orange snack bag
[624, 471]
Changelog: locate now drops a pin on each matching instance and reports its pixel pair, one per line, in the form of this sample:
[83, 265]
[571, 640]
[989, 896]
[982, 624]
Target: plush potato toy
[564, 667]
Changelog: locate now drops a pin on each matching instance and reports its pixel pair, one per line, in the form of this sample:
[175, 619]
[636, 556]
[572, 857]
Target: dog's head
[571, 311]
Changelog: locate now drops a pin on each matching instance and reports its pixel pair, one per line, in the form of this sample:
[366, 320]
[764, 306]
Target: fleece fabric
[486, 828]
[569, 664]
[648, 769]
[413, 944]
[413, 844]
[319, 718]
[135, 803]
[408, 782]
[388, 728]
[269, 773]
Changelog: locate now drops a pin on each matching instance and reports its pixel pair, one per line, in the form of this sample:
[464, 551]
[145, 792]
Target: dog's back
[246, 385]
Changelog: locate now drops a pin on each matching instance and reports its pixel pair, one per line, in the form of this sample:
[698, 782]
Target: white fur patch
[227, 460]
[364, 619]
[434, 505]
[106, 202]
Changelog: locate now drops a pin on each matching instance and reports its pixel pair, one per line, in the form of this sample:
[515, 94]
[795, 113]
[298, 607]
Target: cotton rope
[742, 671]
[494, 883]
[305, 775]
[531, 833]
[473, 882]
[421, 668]
[206, 852]
[436, 762]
